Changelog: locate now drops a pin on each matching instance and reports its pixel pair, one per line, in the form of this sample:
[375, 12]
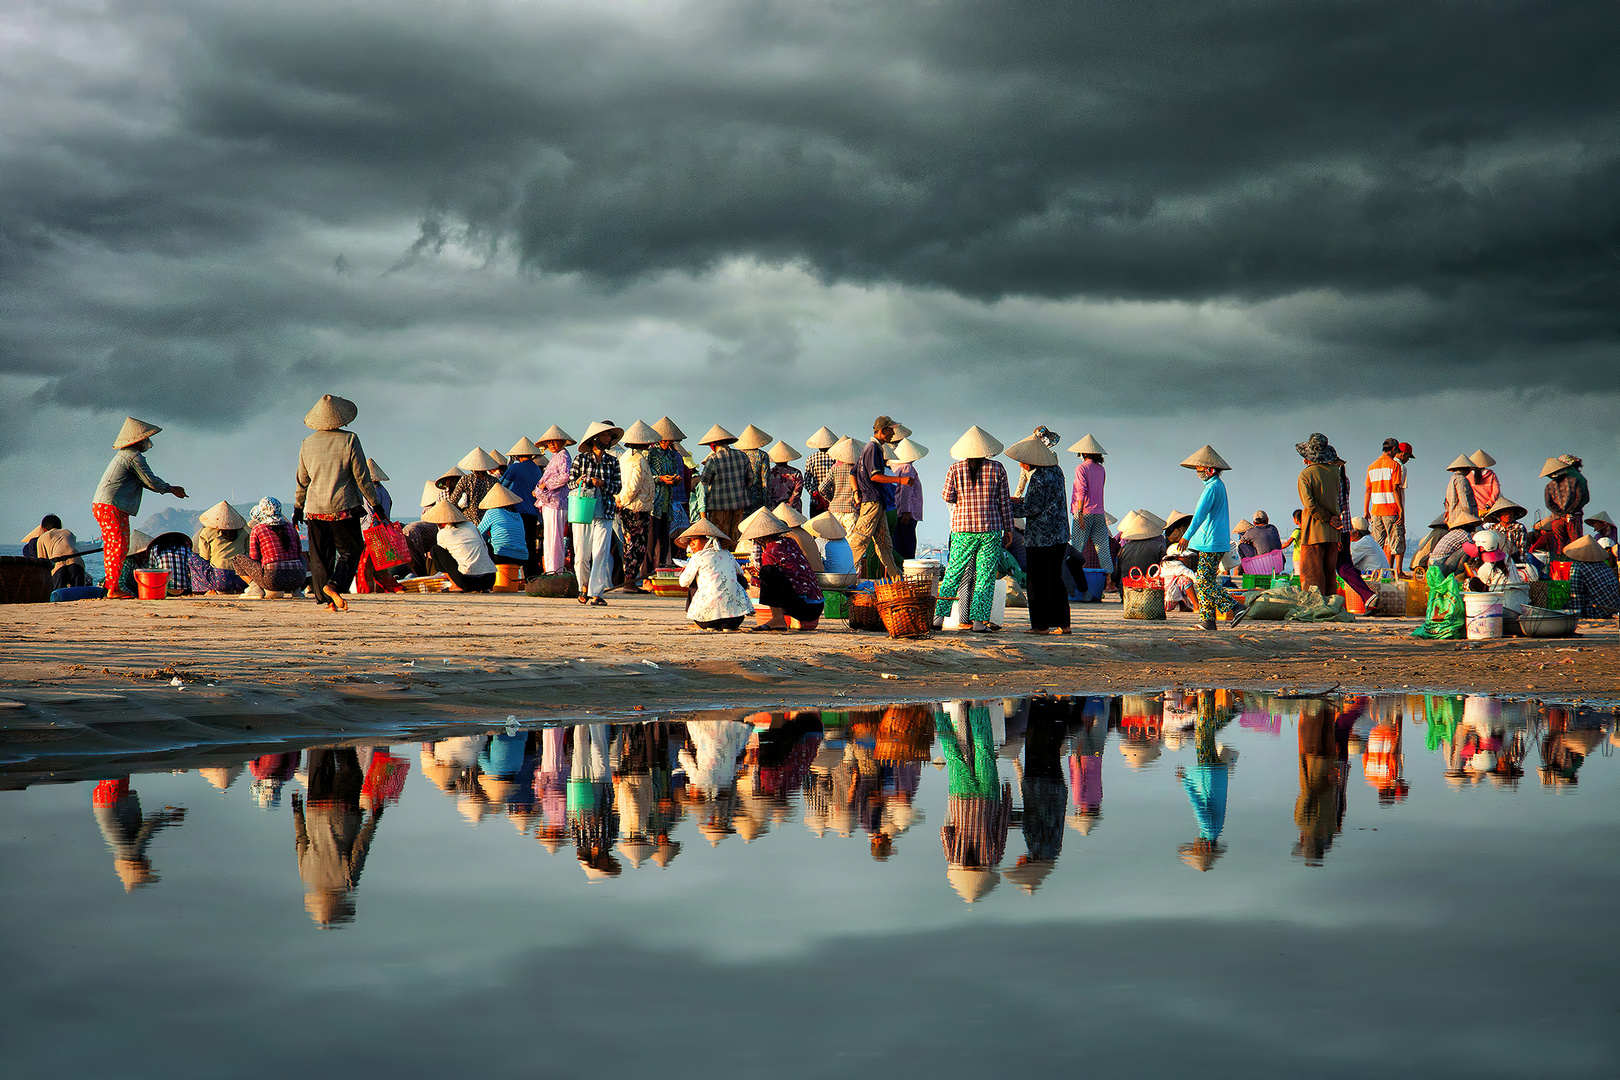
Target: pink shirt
[553, 487]
[1088, 488]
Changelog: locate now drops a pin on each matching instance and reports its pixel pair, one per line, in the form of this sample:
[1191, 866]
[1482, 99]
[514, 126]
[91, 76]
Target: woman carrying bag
[594, 481]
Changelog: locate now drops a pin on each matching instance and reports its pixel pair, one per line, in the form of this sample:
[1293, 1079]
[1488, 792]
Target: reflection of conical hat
[331, 413]
[761, 524]
[1029, 875]
[1586, 549]
[1140, 525]
[1205, 457]
[498, 497]
[781, 453]
[976, 442]
[477, 460]
[717, 434]
[497, 788]
[1505, 504]
[825, 526]
[749, 829]
[222, 777]
[1031, 451]
[603, 427]
[1554, 465]
[667, 429]
[552, 844]
[133, 432]
[667, 850]
[714, 832]
[789, 516]
[822, 439]
[1139, 755]
[430, 493]
[222, 515]
[1201, 856]
[1088, 445]
[971, 885]
[845, 450]
[1482, 459]
[1083, 821]
[443, 513]
[523, 448]
[635, 851]
[907, 450]
[1462, 462]
[753, 438]
[376, 470]
[555, 434]
[640, 434]
[702, 527]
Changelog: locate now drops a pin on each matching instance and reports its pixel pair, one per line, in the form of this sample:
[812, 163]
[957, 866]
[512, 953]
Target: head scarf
[1047, 436]
[1571, 460]
[1315, 449]
[267, 512]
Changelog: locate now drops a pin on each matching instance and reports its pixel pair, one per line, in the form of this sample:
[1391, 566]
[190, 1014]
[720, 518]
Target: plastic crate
[1258, 581]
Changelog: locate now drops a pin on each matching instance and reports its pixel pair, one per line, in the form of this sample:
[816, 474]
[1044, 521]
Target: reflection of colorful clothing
[1206, 787]
[982, 553]
[978, 809]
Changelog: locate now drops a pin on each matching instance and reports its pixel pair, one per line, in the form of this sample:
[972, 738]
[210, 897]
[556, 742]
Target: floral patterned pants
[1211, 593]
[114, 538]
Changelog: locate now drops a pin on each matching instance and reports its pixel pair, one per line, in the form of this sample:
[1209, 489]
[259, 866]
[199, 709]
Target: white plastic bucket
[998, 608]
[1483, 611]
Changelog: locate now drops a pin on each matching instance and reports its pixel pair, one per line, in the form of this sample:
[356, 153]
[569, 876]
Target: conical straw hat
[1175, 518]
[603, 427]
[667, 429]
[498, 497]
[822, 439]
[789, 516]
[430, 493]
[1088, 445]
[133, 432]
[443, 513]
[376, 470]
[1110, 518]
[555, 434]
[1243, 526]
[761, 524]
[717, 434]
[138, 542]
[752, 438]
[331, 413]
[1586, 549]
[976, 442]
[501, 460]
[702, 527]
[781, 453]
[846, 451]
[972, 885]
[1601, 515]
[1032, 451]
[1462, 462]
[1138, 525]
[452, 474]
[1554, 466]
[908, 450]
[1461, 519]
[1482, 459]
[640, 434]
[825, 526]
[900, 430]
[1505, 504]
[222, 515]
[523, 448]
[477, 460]
[1205, 457]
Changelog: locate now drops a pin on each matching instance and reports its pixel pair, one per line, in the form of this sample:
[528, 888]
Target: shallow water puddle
[1202, 879]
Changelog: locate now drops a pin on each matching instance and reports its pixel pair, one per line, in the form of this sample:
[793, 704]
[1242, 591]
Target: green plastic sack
[1445, 620]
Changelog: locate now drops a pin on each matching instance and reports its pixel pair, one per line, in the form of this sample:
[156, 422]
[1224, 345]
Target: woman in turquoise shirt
[1207, 535]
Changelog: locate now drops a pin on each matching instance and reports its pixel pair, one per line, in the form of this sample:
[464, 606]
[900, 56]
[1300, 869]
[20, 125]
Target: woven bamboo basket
[908, 617]
[863, 612]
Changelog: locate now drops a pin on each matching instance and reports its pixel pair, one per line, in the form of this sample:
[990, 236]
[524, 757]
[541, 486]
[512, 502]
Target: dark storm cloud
[1395, 189]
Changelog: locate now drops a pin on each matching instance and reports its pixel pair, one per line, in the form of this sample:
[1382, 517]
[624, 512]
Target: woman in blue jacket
[502, 527]
[1207, 535]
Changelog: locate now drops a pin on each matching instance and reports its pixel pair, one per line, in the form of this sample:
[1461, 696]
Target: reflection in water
[619, 794]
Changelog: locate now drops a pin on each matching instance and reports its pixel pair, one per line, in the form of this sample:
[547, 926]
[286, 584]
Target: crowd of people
[618, 794]
[612, 509]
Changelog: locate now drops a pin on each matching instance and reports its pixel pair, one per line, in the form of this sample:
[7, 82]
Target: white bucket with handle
[1483, 614]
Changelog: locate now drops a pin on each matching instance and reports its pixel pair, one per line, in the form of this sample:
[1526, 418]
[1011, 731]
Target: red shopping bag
[385, 543]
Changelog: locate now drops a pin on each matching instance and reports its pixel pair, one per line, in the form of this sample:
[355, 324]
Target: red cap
[1405, 448]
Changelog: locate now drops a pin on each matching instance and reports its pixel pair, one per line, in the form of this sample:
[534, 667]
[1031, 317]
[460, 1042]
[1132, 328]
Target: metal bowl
[1544, 622]
[839, 582]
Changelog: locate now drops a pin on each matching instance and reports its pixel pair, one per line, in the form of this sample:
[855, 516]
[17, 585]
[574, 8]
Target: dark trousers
[1048, 600]
[1348, 571]
[334, 555]
[660, 550]
[531, 540]
[442, 562]
[1318, 565]
[776, 591]
[905, 539]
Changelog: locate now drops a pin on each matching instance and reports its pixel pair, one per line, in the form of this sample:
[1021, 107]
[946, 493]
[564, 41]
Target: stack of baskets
[906, 607]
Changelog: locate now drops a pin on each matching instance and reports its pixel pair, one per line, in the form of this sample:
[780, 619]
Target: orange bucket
[151, 584]
[508, 577]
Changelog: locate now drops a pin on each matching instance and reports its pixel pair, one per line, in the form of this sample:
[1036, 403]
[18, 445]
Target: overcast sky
[1162, 223]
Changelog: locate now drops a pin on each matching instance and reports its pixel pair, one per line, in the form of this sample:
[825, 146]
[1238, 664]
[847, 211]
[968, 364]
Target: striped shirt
[1385, 478]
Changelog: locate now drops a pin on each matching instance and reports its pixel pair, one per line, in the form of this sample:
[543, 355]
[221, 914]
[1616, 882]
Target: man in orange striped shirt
[1384, 504]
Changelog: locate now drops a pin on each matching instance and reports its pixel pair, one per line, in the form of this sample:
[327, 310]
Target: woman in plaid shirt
[596, 472]
[981, 525]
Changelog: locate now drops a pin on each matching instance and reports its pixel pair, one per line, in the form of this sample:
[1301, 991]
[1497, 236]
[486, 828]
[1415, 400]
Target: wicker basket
[909, 617]
[863, 612]
[904, 588]
[433, 584]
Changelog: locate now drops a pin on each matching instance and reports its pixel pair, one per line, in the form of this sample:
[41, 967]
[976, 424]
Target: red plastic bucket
[151, 584]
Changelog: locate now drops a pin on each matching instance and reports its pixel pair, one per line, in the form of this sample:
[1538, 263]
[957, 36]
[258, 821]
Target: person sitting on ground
[1447, 551]
[1365, 551]
[1260, 538]
[787, 586]
[419, 535]
[1437, 529]
[1594, 592]
[1486, 563]
[171, 551]
[137, 557]
[274, 563]
[59, 547]
[1144, 546]
[715, 598]
[215, 546]
[501, 526]
[837, 557]
[796, 522]
[1179, 572]
[1175, 526]
[458, 551]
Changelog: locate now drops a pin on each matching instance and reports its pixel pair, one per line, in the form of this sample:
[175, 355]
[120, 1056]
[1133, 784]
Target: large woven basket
[863, 612]
[24, 581]
[1144, 596]
[901, 588]
[909, 617]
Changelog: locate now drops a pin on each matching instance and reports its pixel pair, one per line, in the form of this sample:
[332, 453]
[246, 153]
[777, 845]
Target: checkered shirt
[726, 477]
[984, 507]
[587, 466]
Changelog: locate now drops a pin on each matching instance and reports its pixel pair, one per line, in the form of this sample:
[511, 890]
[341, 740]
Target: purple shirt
[1088, 488]
[553, 487]
[908, 498]
[871, 462]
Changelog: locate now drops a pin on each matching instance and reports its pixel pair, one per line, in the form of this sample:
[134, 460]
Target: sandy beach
[409, 662]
